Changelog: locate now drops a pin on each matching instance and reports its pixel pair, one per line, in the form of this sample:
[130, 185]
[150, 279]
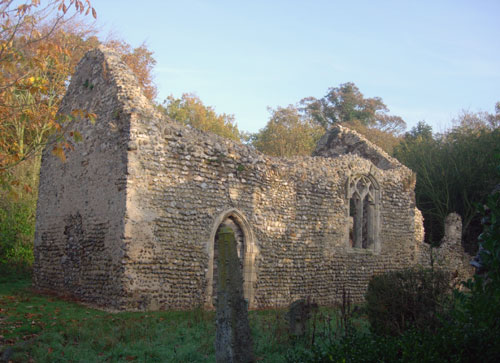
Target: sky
[427, 60]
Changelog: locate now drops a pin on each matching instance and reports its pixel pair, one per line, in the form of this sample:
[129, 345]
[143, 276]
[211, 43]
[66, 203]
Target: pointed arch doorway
[247, 252]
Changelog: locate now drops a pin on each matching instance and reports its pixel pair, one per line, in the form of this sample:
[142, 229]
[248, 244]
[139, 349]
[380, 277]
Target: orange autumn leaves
[35, 64]
[40, 46]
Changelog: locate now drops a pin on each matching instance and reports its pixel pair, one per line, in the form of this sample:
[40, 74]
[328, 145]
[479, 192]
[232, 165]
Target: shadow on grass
[41, 328]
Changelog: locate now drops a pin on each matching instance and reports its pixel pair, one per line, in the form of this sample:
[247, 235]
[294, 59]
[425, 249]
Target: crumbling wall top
[340, 140]
[102, 74]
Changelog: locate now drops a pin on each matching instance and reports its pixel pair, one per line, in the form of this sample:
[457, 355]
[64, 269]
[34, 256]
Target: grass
[41, 328]
[47, 329]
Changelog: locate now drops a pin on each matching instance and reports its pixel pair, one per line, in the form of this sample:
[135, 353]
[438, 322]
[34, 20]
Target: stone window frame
[250, 254]
[373, 193]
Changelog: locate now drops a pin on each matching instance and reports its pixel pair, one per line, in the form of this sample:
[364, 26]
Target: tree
[385, 140]
[34, 68]
[40, 46]
[494, 120]
[346, 104]
[294, 130]
[141, 61]
[287, 133]
[190, 110]
[455, 171]
[39, 49]
[420, 152]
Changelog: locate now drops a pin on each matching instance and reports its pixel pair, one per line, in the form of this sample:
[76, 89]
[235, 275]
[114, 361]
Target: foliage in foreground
[17, 218]
[476, 319]
[400, 300]
[467, 332]
[48, 329]
[40, 46]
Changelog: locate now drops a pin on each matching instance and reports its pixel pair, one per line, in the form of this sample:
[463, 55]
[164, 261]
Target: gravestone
[298, 315]
[233, 341]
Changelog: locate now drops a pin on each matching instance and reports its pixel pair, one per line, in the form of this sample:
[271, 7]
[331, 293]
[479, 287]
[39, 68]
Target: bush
[411, 298]
[403, 303]
[411, 346]
[17, 228]
[18, 198]
[476, 317]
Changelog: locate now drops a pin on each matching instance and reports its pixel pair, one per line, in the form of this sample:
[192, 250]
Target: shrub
[17, 228]
[402, 303]
[17, 216]
[476, 317]
[411, 298]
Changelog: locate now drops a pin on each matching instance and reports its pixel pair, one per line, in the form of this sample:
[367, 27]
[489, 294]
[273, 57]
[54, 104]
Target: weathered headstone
[233, 341]
[298, 315]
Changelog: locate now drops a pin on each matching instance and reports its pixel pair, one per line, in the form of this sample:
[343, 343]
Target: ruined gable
[82, 202]
[129, 221]
[340, 140]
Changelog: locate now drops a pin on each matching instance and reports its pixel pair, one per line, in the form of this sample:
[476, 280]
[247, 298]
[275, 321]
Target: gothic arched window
[363, 193]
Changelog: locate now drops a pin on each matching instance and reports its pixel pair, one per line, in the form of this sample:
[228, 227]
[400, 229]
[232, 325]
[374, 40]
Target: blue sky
[427, 60]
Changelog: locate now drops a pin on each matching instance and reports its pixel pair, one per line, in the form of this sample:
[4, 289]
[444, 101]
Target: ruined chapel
[128, 222]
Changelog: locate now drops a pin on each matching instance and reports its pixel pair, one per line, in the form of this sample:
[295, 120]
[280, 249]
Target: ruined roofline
[132, 107]
[336, 142]
[341, 140]
[129, 92]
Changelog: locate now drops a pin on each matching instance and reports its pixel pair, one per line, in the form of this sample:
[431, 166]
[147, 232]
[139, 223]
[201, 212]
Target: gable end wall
[79, 228]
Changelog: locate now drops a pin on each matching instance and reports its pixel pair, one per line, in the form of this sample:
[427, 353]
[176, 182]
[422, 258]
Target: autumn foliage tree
[294, 130]
[346, 105]
[36, 59]
[190, 110]
[40, 45]
[141, 62]
[287, 133]
[34, 63]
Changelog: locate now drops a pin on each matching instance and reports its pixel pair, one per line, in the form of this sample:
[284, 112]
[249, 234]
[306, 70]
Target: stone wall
[181, 181]
[450, 254]
[142, 198]
[82, 202]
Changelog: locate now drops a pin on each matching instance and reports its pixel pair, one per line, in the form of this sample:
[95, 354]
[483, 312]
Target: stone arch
[363, 212]
[247, 251]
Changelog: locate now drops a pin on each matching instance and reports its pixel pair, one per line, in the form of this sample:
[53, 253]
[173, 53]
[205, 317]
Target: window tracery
[363, 193]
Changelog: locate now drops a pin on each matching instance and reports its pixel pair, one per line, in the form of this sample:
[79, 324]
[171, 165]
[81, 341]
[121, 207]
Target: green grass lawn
[41, 328]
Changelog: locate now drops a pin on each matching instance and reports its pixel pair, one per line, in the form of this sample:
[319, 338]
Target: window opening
[363, 196]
